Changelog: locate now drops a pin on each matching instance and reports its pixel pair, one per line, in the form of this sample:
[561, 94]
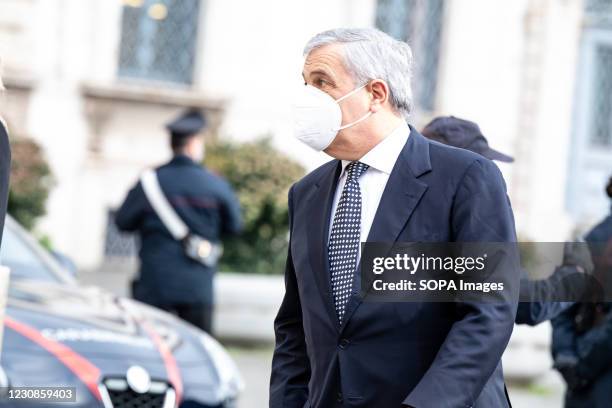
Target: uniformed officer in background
[582, 335]
[169, 278]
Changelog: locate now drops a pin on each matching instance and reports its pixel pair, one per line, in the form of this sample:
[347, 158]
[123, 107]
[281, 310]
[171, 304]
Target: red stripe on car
[174, 374]
[88, 373]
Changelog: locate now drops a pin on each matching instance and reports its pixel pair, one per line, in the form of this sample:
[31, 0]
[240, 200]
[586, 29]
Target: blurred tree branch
[31, 182]
[261, 176]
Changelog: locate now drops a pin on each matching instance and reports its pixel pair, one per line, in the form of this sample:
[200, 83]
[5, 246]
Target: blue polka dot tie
[344, 238]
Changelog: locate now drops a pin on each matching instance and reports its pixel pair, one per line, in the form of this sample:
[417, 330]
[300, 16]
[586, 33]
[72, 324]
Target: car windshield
[26, 258]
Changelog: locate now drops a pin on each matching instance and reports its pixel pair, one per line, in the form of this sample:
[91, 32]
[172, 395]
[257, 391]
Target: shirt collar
[383, 156]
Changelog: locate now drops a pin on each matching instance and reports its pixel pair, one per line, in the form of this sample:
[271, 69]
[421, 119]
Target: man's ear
[380, 94]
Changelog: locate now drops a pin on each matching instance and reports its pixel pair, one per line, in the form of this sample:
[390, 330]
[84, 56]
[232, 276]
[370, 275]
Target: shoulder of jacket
[453, 155]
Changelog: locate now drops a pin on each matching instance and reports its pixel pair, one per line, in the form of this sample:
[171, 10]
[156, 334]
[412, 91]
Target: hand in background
[578, 255]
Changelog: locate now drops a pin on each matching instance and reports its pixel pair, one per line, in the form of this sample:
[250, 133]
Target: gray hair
[371, 54]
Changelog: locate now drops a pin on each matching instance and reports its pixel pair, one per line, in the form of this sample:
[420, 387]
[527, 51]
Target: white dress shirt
[372, 183]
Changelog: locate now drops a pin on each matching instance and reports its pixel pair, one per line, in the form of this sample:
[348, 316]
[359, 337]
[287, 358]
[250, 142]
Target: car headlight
[230, 380]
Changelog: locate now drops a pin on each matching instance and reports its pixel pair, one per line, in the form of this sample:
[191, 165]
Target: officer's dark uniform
[206, 203]
[5, 167]
[582, 336]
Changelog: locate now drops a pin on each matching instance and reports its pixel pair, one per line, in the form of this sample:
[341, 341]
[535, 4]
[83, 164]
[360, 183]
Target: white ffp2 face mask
[318, 117]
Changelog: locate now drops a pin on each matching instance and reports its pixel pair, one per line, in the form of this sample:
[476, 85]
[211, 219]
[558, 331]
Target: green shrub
[30, 182]
[261, 177]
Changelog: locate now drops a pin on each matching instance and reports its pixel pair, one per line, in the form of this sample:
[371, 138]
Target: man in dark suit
[5, 169]
[169, 279]
[387, 184]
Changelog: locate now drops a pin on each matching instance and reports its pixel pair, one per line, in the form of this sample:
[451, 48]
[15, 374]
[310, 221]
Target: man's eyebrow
[320, 72]
[327, 76]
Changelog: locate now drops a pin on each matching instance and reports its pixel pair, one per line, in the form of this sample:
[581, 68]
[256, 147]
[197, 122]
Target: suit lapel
[401, 196]
[319, 216]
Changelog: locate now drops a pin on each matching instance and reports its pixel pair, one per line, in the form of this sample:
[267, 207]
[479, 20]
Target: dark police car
[113, 352]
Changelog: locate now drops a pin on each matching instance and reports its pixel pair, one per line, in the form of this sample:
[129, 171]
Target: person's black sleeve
[5, 170]
[230, 212]
[563, 335]
[545, 299]
[129, 215]
[563, 349]
[534, 313]
[290, 364]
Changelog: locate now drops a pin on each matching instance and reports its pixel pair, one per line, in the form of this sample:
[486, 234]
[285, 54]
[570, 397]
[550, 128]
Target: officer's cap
[187, 124]
[462, 133]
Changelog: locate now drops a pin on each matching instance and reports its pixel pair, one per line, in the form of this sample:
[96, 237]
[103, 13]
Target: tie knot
[355, 169]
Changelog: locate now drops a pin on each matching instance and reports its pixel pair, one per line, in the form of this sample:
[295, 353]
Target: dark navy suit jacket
[442, 355]
[5, 168]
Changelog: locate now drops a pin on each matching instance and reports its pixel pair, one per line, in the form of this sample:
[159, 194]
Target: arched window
[158, 40]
